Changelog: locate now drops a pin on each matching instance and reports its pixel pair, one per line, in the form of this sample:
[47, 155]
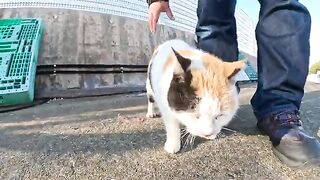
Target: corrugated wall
[184, 9]
[184, 12]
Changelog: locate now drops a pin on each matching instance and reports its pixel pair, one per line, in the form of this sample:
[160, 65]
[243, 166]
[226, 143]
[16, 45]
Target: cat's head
[202, 91]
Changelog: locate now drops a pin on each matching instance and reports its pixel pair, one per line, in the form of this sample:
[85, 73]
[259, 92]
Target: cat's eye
[218, 116]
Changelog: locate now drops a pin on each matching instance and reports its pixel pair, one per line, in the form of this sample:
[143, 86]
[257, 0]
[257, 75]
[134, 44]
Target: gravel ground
[109, 138]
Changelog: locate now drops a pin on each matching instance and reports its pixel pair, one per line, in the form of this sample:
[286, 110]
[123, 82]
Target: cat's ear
[184, 62]
[233, 68]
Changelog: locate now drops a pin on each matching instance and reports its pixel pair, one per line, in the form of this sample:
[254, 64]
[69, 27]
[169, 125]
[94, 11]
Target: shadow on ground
[114, 143]
[87, 138]
[76, 113]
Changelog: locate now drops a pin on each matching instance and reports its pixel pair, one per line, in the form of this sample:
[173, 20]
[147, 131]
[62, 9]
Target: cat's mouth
[210, 136]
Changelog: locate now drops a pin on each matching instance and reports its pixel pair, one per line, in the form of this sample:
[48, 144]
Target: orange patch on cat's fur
[219, 84]
[215, 79]
[171, 59]
[203, 81]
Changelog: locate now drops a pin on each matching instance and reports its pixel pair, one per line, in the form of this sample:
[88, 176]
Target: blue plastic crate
[19, 46]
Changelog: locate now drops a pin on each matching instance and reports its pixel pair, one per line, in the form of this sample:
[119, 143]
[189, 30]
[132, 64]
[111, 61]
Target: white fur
[200, 123]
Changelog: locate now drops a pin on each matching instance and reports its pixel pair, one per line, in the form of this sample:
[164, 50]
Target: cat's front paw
[172, 147]
[153, 115]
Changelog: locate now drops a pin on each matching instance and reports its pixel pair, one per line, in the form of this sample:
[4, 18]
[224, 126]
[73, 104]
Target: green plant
[314, 68]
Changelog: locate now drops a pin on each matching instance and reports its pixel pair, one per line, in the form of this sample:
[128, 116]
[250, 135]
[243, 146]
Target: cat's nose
[207, 135]
[207, 130]
[211, 135]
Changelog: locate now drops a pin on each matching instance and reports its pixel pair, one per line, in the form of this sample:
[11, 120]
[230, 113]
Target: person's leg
[216, 28]
[282, 34]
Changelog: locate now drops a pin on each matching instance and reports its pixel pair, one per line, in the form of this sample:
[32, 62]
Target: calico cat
[191, 88]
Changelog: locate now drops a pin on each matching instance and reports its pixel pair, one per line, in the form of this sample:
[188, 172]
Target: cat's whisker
[187, 140]
[184, 135]
[192, 141]
[183, 131]
[239, 117]
[218, 136]
[224, 128]
[221, 135]
[184, 144]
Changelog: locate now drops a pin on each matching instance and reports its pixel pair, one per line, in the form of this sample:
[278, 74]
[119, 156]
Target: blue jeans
[282, 35]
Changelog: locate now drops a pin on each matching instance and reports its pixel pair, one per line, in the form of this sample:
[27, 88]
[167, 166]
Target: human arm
[155, 8]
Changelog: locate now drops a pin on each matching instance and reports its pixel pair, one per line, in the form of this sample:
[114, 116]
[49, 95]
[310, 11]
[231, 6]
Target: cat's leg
[173, 142]
[152, 111]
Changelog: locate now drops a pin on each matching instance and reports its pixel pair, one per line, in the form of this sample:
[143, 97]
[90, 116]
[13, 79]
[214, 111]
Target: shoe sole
[313, 162]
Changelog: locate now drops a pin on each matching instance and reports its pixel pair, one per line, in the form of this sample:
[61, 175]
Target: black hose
[4, 109]
[90, 69]
[91, 66]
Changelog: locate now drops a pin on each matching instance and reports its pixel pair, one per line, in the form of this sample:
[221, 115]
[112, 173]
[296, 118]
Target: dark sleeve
[152, 1]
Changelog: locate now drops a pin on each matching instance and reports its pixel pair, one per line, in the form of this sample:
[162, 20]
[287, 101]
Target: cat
[192, 88]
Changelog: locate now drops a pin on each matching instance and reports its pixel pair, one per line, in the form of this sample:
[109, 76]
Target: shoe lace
[288, 118]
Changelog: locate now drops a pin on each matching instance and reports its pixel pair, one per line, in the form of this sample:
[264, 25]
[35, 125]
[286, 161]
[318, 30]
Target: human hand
[154, 12]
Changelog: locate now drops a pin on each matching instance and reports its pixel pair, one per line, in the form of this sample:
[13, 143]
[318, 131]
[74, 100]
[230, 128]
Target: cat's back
[177, 44]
